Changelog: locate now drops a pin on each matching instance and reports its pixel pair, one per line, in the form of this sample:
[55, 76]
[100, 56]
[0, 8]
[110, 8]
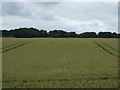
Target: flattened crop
[102, 45]
[15, 45]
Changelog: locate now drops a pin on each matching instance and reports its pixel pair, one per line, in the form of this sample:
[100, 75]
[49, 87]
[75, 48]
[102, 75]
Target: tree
[105, 35]
[88, 35]
[0, 33]
[6, 33]
[26, 33]
[72, 34]
[43, 33]
[33, 32]
[53, 34]
[62, 34]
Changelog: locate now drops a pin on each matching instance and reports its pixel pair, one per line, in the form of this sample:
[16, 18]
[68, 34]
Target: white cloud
[78, 17]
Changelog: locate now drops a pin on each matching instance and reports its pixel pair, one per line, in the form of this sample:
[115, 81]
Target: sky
[68, 16]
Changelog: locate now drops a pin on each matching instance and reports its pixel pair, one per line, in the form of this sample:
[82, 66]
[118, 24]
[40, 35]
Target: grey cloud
[15, 9]
[87, 11]
[11, 9]
[64, 15]
[41, 10]
[46, 4]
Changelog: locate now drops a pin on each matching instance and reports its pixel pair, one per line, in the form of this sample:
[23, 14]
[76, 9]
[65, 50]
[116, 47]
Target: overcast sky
[69, 16]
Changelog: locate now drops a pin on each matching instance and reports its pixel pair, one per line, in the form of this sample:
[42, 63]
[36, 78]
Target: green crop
[60, 63]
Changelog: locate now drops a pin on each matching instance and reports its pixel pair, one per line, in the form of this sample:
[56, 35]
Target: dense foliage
[33, 32]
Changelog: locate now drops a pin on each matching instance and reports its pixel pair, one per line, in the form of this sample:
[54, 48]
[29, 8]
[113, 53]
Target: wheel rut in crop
[111, 47]
[106, 49]
[13, 46]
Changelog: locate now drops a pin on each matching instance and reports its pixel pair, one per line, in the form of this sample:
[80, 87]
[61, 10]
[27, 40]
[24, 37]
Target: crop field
[60, 63]
[0, 64]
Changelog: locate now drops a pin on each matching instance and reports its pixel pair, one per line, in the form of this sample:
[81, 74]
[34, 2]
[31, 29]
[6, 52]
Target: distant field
[60, 63]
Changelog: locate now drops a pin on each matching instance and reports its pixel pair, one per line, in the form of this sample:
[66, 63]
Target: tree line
[33, 32]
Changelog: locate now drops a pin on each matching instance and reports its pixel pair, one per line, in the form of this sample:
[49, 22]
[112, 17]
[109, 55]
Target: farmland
[60, 63]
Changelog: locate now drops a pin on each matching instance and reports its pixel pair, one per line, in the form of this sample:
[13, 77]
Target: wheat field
[60, 62]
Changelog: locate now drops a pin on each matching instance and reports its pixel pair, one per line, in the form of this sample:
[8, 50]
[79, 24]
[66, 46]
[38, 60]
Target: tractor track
[13, 46]
[111, 47]
[106, 49]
